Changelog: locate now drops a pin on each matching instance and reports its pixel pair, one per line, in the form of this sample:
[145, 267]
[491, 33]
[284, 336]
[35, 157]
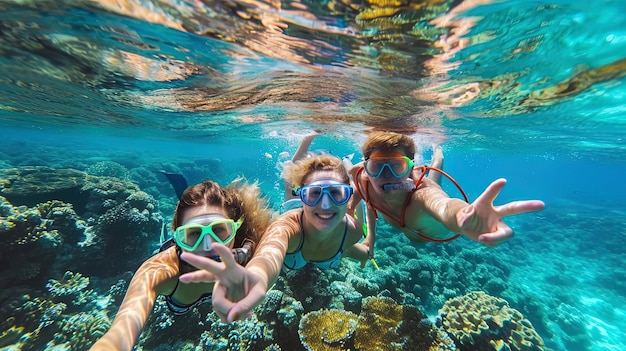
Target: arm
[303, 148]
[352, 247]
[138, 303]
[355, 209]
[300, 153]
[481, 220]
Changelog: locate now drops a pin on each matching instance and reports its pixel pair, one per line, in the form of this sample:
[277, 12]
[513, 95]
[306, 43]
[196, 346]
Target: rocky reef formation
[59, 227]
[81, 222]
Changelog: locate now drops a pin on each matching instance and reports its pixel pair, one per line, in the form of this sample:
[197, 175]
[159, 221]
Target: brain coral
[385, 325]
[327, 329]
[382, 325]
[480, 322]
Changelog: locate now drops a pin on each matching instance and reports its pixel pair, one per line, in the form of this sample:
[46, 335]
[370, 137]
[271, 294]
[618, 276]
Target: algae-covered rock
[34, 184]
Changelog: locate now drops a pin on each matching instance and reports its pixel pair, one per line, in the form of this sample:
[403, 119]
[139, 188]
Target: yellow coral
[480, 321]
[327, 329]
[382, 325]
[10, 336]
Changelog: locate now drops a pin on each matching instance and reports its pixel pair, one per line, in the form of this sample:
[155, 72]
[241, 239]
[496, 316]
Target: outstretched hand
[482, 221]
[236, 292]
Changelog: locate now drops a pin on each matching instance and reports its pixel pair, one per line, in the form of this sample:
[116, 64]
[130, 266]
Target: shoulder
[355, 169]
[288, 223]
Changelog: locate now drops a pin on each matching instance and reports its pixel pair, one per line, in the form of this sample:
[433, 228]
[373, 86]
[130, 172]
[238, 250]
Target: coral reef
[108, 169]
[477, 321]
[327, 330]
[382, 325]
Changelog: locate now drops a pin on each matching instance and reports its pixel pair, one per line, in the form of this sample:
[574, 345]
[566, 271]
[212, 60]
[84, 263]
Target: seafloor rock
[382, 325]
[480, 322]
[35, 184]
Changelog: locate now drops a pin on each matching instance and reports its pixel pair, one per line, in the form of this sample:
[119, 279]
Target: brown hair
[239, 199]
[297, 172]
[388, 142]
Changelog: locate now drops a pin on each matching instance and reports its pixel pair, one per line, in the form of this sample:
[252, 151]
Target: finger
[225, 253]
[244, 307]
[502, 233]
[492, 191]
[201, 262]
[517, 207]
[200, 276]
[221, 305]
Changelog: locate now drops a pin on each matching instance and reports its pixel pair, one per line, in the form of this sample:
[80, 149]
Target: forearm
[359, 252]
[442, 207]
[124, 330]
[269, 255]
[120, 337]
[370, 238]
[138, 302]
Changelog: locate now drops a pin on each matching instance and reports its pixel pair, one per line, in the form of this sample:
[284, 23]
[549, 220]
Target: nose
[325, 201]
[386, 173]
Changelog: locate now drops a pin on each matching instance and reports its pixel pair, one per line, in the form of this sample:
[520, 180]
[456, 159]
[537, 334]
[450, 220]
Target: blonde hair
[296, 173]
[239, 199]
[388, 142]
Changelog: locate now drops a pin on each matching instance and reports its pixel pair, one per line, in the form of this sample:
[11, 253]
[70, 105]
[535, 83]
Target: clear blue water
[533, 92]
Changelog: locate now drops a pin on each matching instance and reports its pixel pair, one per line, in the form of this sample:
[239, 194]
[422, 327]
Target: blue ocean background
[531, 91]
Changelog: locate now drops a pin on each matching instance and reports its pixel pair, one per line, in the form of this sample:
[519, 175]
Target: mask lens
[190, 236]
[398, 166]
[222, 230]
[312, 194]
[339, 193]
[374, 166]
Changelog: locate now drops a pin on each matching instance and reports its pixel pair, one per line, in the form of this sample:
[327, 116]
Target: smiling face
[326, 215]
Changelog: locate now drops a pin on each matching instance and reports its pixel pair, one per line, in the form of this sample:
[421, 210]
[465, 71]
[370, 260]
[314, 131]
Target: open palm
[482, 221]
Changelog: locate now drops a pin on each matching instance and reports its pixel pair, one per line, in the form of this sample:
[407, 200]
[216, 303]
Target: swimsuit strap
[301, 232]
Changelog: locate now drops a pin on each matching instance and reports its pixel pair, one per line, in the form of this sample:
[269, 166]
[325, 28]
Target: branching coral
[477, 321]
[70, 284]
[108, 169]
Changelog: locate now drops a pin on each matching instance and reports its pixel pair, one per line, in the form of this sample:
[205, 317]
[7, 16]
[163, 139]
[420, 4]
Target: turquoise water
[525, 90]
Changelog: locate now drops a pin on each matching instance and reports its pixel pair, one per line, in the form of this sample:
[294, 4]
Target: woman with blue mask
[320, 233]
[207, 214]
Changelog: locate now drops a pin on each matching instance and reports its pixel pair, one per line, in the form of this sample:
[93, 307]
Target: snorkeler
[207, 214]
[422, 210]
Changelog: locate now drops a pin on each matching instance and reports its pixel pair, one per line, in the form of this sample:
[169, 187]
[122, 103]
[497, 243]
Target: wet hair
[388, 142]
[296, 173]
[239, 199]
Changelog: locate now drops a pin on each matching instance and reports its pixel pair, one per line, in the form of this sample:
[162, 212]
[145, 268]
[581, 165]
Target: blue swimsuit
[295, 260]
